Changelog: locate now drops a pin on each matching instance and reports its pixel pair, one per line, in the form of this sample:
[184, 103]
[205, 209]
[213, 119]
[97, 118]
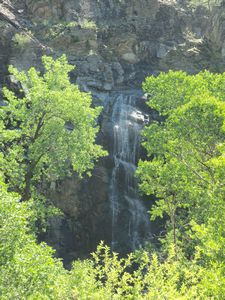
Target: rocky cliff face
[114, 44]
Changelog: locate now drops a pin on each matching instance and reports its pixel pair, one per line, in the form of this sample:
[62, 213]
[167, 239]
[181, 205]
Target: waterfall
[130, 220]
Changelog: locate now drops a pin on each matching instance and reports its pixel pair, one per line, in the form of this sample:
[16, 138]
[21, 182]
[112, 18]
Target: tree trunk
[28, 177]
[174, 234]
[27, 189]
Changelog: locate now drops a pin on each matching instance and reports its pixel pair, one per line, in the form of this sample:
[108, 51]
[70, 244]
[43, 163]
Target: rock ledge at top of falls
[113, 43]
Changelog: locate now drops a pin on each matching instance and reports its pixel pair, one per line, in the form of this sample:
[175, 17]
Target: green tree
[50, 130]
[27, 269]
[186, 173]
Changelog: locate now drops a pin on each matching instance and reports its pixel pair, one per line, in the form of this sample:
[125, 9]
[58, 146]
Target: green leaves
[186, 143]
[186, 170]
[26, 268]
[51, 130]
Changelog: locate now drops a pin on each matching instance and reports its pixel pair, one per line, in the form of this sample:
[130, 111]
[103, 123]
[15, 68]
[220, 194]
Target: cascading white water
[130, 221]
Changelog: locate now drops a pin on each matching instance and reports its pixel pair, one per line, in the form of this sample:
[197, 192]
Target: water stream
[130, 220]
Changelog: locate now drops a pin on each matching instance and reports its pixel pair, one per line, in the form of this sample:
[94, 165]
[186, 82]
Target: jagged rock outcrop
[114, 44]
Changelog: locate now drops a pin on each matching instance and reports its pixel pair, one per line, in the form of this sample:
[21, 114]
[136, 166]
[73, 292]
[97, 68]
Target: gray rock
[163, 50]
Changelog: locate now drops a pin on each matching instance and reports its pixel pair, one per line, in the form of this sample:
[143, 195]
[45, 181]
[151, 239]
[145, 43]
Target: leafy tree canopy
[186, 173]
[50, 130]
